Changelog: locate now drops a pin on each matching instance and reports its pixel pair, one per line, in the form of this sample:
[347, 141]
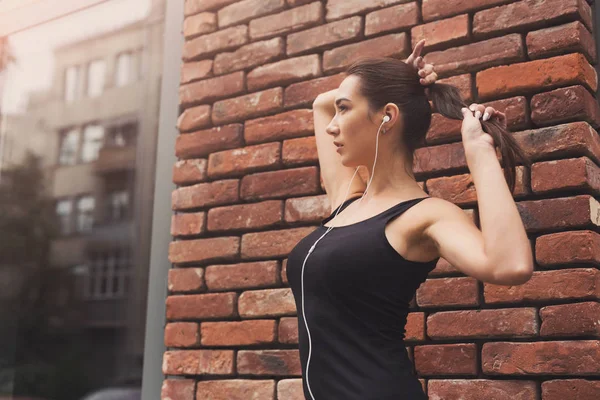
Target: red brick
[204, 250]
[580, 389]
[535, 76]
[196, 6]
[572, 284]
[516, 110]
[415, 327]
[288, 330]
[307, 209]
[437, 9]
[290, 124]
[178, 389]
[559, 213]
[247, 106]
[568, 38]
[317, 38]
[266, 303]
[207, 45]
[269, 362]
[530, 14]
[198, 362]
[272, 243]
[284, 72]
[304, 93]
[187, 224]
[564, 105]
[397, 18]
[250, 55]
[580, 174]
[205, 194]
[195, 70]
[446, 359]
[395, 45]
[451, 31]
[448, 158]
[186, 279]
[448, 292]
[242, 276]
[443, 129]
[579, 319]
[202, 143]
[443, 267]
[541, 358]
[201, 306]
[182, 334]
[245, 10]
[299, 151]
[237, 162]
[199, 24]
[238, 333]
[337, 9]
[187, 172]
[563, 248]
[254, 216]
[477, 389]
[464, 83]
[296, 3]
[277, 184]
[235, 389]
[475, 324]
[194, 118]
[208, 90]
[287, 21]
[476, 56]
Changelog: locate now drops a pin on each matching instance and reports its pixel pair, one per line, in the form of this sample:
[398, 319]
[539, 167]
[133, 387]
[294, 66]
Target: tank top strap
[400, 208]
[341, 207]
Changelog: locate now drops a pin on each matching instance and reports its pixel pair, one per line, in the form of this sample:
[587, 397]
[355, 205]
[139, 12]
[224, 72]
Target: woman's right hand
[425, 71]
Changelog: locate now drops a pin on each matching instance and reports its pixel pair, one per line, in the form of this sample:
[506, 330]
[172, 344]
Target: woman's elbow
[513, 276]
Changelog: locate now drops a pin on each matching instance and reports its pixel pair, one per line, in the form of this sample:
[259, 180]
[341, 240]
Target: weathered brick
[307, 209]
[258, 274]
[201, 306]
[446, 32]
[265, 214]
[194, 118]
[186, 172]
[182, 334]
[288, 21]
[446, 157]
[563, 248]
[541, 358]
[568, 38]
[196, 6]
[476, 389]
[244, 10]
[446, 359]
[178, 389]
[299, 151]
[284, 72]
[235, 389]
[578, 319]
[571, 284]
[475, 324]
[202, 143]
[317, 38]
[238, 333]
[396, 18]
[277, 184]
[186, 279]
[272, 243]
[205, 194]
[204, 250]
[464, 83]
[212, 89]
[186, 224]
[237, 162]
[563, 105]
[448, 292]
[337, 9]
[207, 45]
[250, 55]
[559, 213]
[395, 45]
[288, 330]
[304, 93]
[415, 327]
[530, 14]
[290, 124]
[248, 106]
[580, 174]
[536, 75]
[195, 70]
[443, 129]
[269, 362]
[436, 9]
[516, 110]
[199, 24]
[476, 56]
[580, 389]
[198, 362]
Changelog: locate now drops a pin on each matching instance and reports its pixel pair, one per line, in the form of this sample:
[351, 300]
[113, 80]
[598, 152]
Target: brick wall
[249, 189]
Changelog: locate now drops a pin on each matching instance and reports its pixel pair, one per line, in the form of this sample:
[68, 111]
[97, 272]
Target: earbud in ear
[386, 118]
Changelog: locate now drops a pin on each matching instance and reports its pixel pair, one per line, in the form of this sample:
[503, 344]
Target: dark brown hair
[386, 80]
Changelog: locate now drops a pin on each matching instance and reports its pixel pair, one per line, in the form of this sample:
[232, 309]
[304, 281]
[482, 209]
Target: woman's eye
[341, 108]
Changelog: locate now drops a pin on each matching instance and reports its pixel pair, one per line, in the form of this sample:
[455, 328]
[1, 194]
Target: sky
[32, 48]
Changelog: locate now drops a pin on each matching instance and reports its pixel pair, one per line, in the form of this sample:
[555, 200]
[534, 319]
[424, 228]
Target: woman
[353, 279]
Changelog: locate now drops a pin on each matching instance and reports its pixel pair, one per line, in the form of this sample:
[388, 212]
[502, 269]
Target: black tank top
[357, 289]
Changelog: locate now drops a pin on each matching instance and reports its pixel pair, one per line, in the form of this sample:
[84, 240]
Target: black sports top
[357, 289]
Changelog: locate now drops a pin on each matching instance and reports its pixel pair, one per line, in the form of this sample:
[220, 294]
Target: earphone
[386, 118]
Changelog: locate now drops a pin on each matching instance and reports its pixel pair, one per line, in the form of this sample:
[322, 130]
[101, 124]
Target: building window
[118, 205]
[64, 211]
[96, 76]
[122, 135]
[93, 137]
[85, 213]
[71, 83]
[69, 145]
[124, 69]
[108, 274]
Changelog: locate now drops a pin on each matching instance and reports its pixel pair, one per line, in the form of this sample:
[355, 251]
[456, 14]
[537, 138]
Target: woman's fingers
[415, 53]
[478, 109]
[429, 79]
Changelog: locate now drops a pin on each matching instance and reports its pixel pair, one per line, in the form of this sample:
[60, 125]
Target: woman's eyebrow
[338, 101]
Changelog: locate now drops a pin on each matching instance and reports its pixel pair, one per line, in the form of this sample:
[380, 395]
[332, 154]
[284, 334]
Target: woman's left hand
[471, 129]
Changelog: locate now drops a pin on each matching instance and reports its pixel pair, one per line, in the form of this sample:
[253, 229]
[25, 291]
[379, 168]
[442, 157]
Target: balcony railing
[115, 158]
